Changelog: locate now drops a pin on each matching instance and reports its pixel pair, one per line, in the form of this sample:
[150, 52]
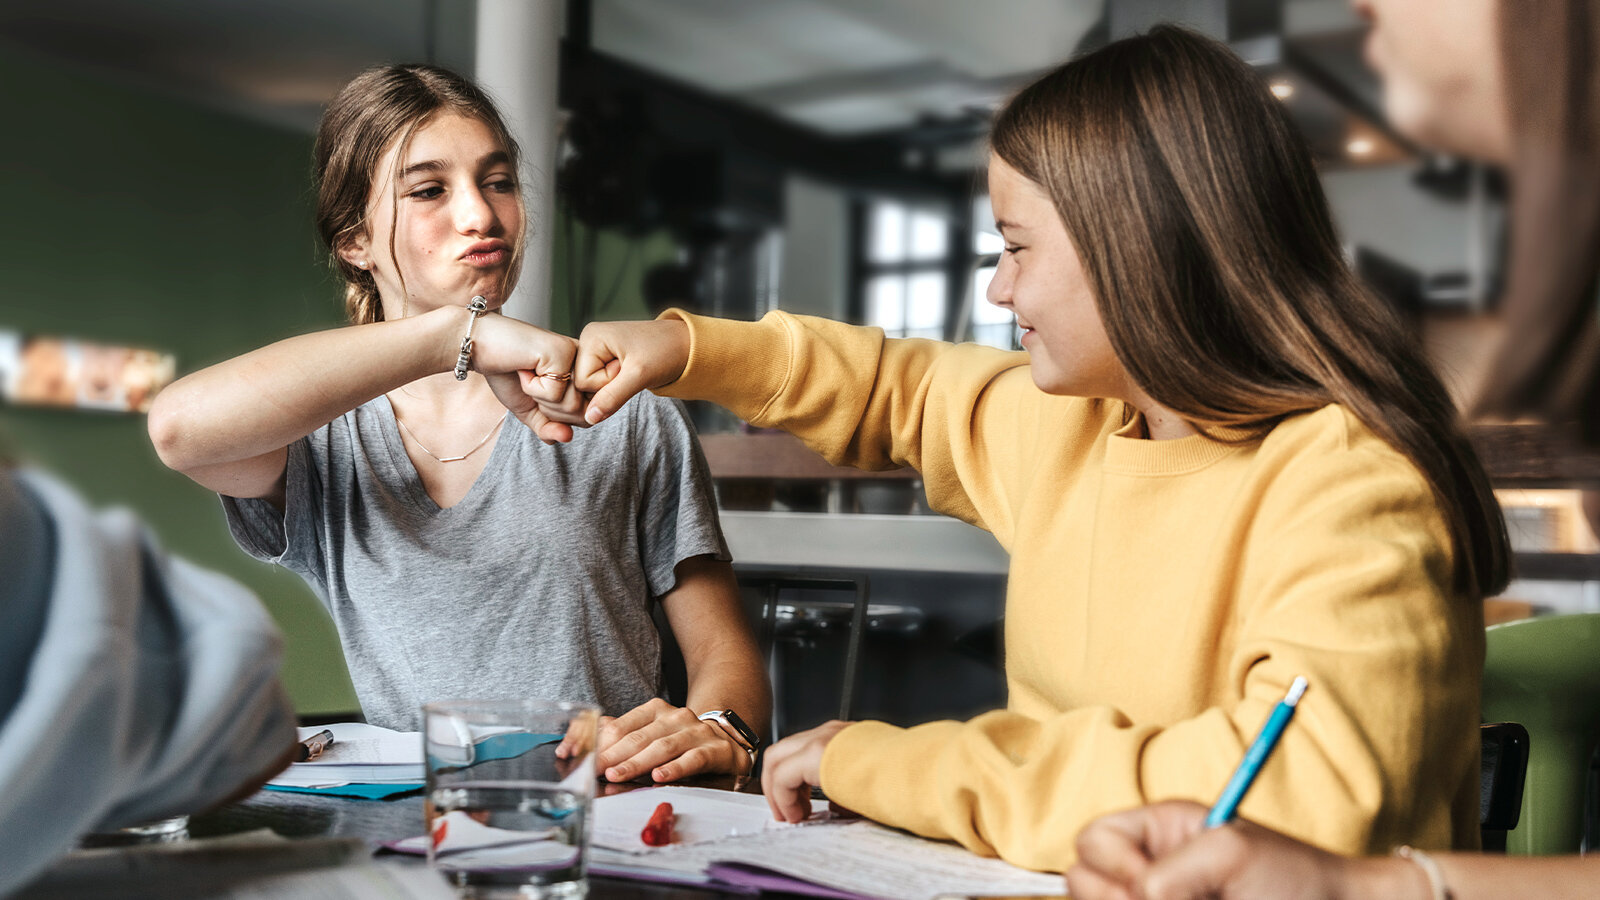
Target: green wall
[139, 219]
[621, 261]
[136, 219]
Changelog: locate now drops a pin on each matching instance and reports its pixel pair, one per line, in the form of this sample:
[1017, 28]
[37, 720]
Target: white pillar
[519, 63]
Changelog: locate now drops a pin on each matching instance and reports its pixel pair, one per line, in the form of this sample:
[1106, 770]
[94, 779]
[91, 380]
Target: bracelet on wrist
[475, 309]
[1437, 888]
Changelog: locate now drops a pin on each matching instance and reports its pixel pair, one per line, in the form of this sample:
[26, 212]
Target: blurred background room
[732, 156]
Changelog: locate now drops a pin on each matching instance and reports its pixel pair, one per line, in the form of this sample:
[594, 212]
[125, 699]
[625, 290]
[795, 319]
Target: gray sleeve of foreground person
[133, 685]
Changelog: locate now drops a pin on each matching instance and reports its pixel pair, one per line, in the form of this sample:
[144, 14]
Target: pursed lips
[485, 252]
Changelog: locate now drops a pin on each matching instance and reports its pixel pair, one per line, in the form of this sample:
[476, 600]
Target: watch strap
[735, 727]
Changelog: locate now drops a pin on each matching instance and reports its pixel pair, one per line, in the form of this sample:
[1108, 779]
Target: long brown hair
[379, 107]
[1199, 218]
[1549, 364]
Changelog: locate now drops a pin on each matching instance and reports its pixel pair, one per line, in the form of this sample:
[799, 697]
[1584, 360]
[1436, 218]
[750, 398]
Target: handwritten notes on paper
[720, 832]
[359, 754]
[729, 838]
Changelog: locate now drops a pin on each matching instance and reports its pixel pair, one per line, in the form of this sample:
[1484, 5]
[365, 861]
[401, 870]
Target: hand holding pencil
[1165, 850]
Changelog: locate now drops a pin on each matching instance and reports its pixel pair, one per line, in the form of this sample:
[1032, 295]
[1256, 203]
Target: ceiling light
[1359, 146]
[1283, 90]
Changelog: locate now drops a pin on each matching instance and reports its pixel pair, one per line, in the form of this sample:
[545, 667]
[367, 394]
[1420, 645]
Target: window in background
[920, 275]
[905, 281]
[990, 324]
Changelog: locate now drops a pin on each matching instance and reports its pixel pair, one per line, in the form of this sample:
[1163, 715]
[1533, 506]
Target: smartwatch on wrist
[735, 727]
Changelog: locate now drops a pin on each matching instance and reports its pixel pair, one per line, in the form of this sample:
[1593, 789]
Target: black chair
[1505, 766]
[796, 618]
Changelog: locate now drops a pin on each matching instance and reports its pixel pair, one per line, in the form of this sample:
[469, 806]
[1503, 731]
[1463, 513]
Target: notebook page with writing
[362, 744]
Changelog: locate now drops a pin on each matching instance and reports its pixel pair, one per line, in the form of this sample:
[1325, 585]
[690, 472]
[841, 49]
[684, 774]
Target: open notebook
[730, 840]
[373, 763]
[363, 761]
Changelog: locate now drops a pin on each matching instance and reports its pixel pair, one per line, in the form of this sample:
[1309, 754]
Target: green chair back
[1545, 674]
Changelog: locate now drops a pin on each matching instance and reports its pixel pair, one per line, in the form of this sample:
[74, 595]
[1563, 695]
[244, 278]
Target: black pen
[312, 747]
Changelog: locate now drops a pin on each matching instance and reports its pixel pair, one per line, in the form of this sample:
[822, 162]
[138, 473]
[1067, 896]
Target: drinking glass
[508, 816]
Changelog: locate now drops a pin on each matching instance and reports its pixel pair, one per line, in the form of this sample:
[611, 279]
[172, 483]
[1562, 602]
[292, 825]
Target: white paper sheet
[359, 743]
[359, 754]
[703, 814]
[857, 856]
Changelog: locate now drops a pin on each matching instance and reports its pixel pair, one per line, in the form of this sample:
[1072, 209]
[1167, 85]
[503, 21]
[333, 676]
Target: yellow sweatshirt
[1162, 596]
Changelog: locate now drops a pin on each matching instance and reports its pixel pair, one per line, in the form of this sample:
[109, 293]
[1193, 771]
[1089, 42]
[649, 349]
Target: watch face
[744, 730]
[732, 720]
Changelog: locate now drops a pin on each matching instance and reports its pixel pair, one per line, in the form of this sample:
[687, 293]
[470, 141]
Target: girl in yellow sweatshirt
[1221, 463]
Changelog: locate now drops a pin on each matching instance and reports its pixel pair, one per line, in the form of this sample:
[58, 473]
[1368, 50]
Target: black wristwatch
[735, 727]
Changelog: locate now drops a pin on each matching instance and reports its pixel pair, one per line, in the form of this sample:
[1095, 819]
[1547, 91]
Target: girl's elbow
[168, 432]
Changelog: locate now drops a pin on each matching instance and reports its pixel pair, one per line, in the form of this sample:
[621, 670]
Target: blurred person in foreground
[133, 685]
[1514, 84]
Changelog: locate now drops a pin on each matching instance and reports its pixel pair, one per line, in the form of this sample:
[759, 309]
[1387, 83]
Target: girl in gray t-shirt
[421, 472]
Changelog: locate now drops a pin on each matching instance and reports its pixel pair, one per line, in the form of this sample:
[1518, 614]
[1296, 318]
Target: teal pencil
[1227, 805]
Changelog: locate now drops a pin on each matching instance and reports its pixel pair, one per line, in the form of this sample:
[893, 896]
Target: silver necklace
[447, 459]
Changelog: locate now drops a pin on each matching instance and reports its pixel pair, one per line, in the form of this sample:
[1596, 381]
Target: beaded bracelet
[477, 307]
[1430, 869]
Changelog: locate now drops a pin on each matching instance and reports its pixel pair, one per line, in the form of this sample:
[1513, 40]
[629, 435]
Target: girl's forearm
[735, 684]
[268, 398]
[1477, 876]
[720, 655]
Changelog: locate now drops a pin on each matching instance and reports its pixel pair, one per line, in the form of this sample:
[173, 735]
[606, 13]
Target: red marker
[658, 831]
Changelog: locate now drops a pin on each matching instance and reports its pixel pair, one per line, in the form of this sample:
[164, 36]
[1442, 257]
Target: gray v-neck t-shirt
[538, 583]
